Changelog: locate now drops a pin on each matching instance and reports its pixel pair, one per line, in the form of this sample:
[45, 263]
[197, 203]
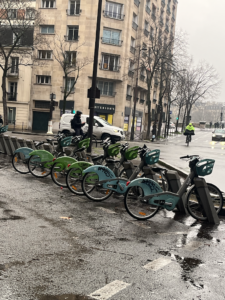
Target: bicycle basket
[85, 143]
[113, 150]
[152, 157]
[131, 153]
[205, 167]
[4, 129]
[66, 142]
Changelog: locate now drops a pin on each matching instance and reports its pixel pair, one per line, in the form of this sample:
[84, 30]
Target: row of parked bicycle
[146, 187]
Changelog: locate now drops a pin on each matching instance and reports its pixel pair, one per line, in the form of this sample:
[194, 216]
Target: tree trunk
[168, 119]
[184, 119]
[149, 111]
[4, 98]
[65, 95]
[178, 117]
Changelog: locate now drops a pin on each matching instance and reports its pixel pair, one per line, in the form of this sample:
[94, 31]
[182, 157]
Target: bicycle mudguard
[44, 156]
[62, 162]
[102, 172]
[148, 186]
[25, 151]
[165, 200]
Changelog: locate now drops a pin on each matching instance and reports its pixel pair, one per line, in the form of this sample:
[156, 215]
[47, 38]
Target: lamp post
[52, 104]
[136, 94]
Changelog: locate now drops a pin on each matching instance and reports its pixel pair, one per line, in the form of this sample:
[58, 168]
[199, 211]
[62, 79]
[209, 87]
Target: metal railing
[71, 38]
[109, 67]
[132, 49]
[110, 41]
[128, 97]
[113, 15]
[12, 96]
[73, 12]
[13, 71]
[134, 26]
[147, 9]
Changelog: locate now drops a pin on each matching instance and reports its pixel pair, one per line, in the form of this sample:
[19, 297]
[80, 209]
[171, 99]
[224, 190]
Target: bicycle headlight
[115, 130]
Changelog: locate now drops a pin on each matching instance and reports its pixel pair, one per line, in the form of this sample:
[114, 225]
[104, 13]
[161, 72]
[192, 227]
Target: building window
[30, 13]
[106, 88]
[12, 94]
[74, 8]
[111, 37]
[70, 84]
[113, 10]
[146, 30]
[42, 104]
[14, 65]
[153, 12]
[132, 46]
[71, 57]
[43, 54]
[129, 93]
[73, 33]
[110, 62]
[152, 33]
[16, 38]
[135, 22]
[41, 79]
[11, 115]
[47, 29]
[147, 7]
[12, 13]
[48, 3]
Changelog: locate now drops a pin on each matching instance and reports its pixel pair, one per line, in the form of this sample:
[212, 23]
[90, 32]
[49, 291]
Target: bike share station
[153, 193]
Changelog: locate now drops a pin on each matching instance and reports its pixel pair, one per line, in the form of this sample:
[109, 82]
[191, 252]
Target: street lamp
[135, 95]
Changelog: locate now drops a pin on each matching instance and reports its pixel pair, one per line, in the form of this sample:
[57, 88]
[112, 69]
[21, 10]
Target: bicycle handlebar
[189, 156]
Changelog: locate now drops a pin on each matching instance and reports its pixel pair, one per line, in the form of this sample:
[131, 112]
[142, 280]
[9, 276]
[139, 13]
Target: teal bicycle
[150, 201]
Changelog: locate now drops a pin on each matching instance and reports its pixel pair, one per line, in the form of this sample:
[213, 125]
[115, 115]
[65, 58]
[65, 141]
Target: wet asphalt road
[56, 246]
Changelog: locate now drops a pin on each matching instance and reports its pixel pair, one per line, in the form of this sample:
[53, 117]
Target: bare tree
[66, 53]
[17, 42]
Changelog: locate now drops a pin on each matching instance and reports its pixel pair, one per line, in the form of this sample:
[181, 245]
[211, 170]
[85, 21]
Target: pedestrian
[153, 131]
[210, 124]
[76, 124]
[222, 125]
[1, 121]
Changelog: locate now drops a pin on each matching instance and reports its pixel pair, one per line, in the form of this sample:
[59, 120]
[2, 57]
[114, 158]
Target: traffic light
[177, 118]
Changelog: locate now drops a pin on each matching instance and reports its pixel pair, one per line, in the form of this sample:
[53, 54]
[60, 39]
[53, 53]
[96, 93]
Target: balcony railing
[142, 78]
[114, 42]
[113, 15]
[11, 96]
[108, 67]
[132, 49]
[134, 26]
[73, 12]
[131, 74]
[13, 72]
[163, 3]
[153, 16]
[142, 101]
[146, 32]
[109, 93]
[147, 9]
[128, 97]
[71, 38]
[136, 2]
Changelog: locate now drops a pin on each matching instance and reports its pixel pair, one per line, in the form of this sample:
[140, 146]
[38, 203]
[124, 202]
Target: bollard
[21, 143]
[10, 147]
[49, 127]
[175, 184]
[206, 200]
[30, 144]
[3, 144]
[15, 142]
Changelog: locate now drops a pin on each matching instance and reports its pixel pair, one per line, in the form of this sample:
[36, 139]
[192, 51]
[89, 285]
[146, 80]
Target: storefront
[105, 111]
[69, 107]
[137, 122]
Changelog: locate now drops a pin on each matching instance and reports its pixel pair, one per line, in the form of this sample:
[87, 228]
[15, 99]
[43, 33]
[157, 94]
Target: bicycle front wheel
[74, 181]
[194, 205]
[93, 190]
[37, 168]
[58, 175]
[137, 206]
[20, 164]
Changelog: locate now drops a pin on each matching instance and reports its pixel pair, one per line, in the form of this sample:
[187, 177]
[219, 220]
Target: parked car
[101, 129]
[218, 135]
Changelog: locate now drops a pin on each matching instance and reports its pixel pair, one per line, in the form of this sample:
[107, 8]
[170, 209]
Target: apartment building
[124, 27]
[19, 74]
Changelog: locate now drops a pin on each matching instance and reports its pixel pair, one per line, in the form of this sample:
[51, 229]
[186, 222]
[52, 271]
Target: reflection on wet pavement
[64, 297]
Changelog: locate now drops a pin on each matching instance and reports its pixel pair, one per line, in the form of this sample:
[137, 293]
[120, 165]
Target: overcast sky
[203, 20]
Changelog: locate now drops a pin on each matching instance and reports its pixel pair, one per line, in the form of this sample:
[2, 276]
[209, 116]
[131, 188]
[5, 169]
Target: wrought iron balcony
[71, 38]
[128, 97]
[108, 67]
[13, 72]
[147, 9]
[131, 73]
[134, 26]
[113, 15]
[73, 12]
[132, 49]
[12, 96]
[114, 42]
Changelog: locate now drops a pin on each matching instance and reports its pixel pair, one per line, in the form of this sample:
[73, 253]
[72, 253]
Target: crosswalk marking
[109, 290]
[158, 264]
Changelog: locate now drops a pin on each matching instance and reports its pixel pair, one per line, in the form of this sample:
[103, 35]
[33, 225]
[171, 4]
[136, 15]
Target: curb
[171, 167]
[32, 133]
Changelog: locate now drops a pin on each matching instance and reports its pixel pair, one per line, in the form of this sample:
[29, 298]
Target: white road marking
[106, 210]
[172, 233]
[193, 246]
[158, 264]
[109, 290]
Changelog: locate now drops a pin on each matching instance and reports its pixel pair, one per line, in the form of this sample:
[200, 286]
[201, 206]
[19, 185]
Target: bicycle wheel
[37, 168]
[93, 190]
[20, 164]
[136, 206]
[58, 175]
[194, 205]
[74, 181]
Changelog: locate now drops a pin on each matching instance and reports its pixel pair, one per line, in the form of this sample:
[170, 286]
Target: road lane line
[158, 264]
[109, 211]
[109, 290]
[193, 245]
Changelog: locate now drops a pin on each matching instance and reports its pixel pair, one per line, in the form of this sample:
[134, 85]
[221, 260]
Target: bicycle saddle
[97, 157]
[49, 140]
[111, 160]
[158, 169]
[38, 143]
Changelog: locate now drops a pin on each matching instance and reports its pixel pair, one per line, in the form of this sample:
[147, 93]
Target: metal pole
[94, 76]
[135, 98]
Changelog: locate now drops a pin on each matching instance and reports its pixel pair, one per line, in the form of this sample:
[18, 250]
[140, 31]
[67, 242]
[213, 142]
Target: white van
[101, 129]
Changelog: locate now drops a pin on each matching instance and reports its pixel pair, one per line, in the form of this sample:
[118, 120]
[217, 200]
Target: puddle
[64, 297]
[187, 265]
